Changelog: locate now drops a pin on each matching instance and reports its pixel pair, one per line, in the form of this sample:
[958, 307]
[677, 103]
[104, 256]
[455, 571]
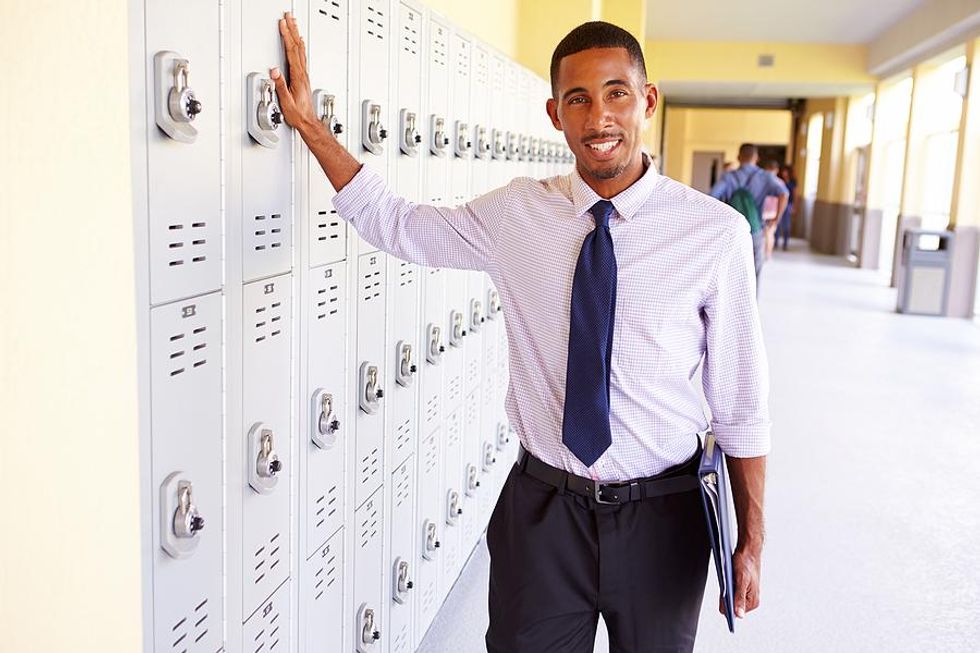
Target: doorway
[706, 169]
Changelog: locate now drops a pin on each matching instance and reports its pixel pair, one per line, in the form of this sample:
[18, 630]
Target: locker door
[476, 317]
[183, 149]
[452, 500]
[404, 357]
[481, 130]
[434, 345]
[400, 590]
[369, 376]
[266, 439]
[435, 154]
[268, 629]
[322, 596]
[328, 44]
[462, 142]
[499, 120]
[186, 452]
[428, 537]
[366, 618]
[323, 445]
[471, 476]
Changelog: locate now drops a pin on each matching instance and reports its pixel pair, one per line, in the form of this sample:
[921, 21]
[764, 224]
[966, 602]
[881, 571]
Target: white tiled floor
[873, 495]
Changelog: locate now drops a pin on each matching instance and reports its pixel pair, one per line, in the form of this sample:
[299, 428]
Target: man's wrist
[312, 130]
[751, 543]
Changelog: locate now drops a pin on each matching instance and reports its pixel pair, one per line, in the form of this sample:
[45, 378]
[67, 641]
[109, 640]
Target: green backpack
[743, 202]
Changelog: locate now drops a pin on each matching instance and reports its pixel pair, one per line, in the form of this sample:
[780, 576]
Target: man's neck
[607, 188]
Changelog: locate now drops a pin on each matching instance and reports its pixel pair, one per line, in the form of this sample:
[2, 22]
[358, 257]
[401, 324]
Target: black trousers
[558, 560]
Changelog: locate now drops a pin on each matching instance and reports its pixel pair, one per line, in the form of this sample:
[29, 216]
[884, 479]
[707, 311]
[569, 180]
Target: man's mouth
[604, 148]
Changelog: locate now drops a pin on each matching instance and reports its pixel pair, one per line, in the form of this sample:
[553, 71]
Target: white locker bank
[322, 427]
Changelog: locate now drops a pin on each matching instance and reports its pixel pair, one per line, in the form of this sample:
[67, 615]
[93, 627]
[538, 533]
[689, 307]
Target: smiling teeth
[604, 147]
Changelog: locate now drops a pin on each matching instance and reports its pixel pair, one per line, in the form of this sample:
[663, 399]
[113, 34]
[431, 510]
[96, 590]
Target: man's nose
[599, 115]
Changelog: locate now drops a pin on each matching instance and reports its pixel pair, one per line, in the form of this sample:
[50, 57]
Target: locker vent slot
[375, 23]
[326, 507]
[430, 458]
[432, 409]
[266, 559]
[328, 226]
[406, 274]
[327, 301]
[326, 576]
[402, 494]
[472, 411]
[401, 642]
[370, 465]
[452, 433]
[480, 72]
[186, 243]
[428, 597]
[455, 388]
[473, 372]
[191, 629]
[370, 525]
[267, 232]
[403, 436]
[410, 34]
[191, 355]
[268, 322]
[267, 638]
[331, 9]
[463, 59]
[371, 286]
[440, 49]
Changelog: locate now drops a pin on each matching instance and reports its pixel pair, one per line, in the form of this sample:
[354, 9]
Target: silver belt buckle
[597, 495]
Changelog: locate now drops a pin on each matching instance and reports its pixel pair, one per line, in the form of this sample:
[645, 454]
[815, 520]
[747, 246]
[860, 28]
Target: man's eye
[618, 93]
[577, 100]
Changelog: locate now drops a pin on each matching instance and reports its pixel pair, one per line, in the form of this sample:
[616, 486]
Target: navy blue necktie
[585, 427]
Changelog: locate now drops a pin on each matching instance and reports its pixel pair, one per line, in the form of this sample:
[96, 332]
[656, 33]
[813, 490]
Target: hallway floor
[873, 498]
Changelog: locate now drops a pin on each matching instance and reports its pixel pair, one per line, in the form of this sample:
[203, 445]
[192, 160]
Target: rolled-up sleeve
[461, 237]
[736, 372]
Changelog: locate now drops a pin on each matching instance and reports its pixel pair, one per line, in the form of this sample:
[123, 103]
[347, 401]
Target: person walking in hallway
[617, 282]
[786, 220]
[760, 185]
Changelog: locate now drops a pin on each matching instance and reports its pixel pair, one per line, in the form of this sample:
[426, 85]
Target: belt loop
[522, 457]
[563, 484]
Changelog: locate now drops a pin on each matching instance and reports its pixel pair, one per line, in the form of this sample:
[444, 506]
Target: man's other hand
[747, 567]
[295, 100]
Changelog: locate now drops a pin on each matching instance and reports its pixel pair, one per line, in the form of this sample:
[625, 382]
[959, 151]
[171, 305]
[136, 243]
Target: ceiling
[787, 21]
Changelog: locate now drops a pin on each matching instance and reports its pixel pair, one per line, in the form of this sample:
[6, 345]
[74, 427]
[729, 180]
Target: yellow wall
[719, 130]
[542, 24]
[832, 184]
[733, 62]
[496, 25]
[69, 554]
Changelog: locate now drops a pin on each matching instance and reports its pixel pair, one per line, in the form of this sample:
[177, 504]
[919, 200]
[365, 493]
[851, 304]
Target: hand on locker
[296, 102]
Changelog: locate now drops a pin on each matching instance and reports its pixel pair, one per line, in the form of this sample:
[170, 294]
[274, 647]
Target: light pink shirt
[686, 290]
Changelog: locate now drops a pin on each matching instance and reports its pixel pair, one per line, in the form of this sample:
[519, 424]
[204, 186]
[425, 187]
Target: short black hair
[747, 150]
[596, 34]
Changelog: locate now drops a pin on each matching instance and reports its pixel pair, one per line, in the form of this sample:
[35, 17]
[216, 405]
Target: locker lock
[326, 104]
[438, 139]
[264, 116]
[457, 332]
[176, 105]
[463, 142]
[472, 480]
[523, 149]
[405, 367]
[402, 583]
[369, 634]
[493, 304]
[181, 523]
[499, 146]
[476, 315]
[371, 391]
[483, 146]
[325, 422]
[434, 349]
[503, 436]
[453, 508]
[263, 473]
[513, 146]
[410, 136]
[489, 456]
[536, 154]
[430, 540]
[373, 133]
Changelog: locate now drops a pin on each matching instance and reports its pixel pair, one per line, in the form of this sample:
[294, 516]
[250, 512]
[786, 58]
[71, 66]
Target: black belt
[682, 478]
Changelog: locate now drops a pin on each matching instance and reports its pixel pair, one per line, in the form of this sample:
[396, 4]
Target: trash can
[926, 262]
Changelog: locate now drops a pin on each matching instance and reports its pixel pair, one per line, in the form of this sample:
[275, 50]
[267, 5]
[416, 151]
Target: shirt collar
[626, 203]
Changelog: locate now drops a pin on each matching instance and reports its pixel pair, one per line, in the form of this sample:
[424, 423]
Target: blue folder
[714, 495]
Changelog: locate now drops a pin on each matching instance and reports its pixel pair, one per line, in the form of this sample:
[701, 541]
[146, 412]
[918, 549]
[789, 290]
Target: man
[600, 514]
[761, 185]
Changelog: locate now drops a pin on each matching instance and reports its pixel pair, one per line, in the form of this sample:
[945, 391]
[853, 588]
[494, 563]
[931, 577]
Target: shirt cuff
[358, 193]
[743, 441]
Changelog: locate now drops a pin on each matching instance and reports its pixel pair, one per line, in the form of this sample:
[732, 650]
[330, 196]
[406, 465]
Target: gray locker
[266, 156]
[479, 118]
[266, 438]
[452, 500]
[500, 173]
[457, 330]
[438, 147]
[268, 629]
[462, 140]
[366, 618]
[322, 597]
[428, 537]
[186, 452]
[407, 91]
[404, 357]
[401, 556]
[470, 481]
[370, 373]
[323, 445]
[434, 345]
[327, 50]
[183, 149]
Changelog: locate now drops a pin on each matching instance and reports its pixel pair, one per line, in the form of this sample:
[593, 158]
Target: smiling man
[617, 283]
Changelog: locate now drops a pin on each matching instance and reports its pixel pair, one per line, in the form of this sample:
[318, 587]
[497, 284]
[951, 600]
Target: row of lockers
[322, 424]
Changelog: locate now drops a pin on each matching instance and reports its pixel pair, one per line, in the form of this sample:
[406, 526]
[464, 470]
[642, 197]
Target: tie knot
[601, 211]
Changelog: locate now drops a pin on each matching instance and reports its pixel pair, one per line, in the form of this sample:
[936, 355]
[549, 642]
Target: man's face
[601, 106]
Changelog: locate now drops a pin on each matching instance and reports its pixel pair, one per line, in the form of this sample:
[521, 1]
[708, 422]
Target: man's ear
[551, 106]
[652, 97]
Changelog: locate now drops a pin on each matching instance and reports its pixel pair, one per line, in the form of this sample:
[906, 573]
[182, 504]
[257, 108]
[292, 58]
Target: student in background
[783, 229]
